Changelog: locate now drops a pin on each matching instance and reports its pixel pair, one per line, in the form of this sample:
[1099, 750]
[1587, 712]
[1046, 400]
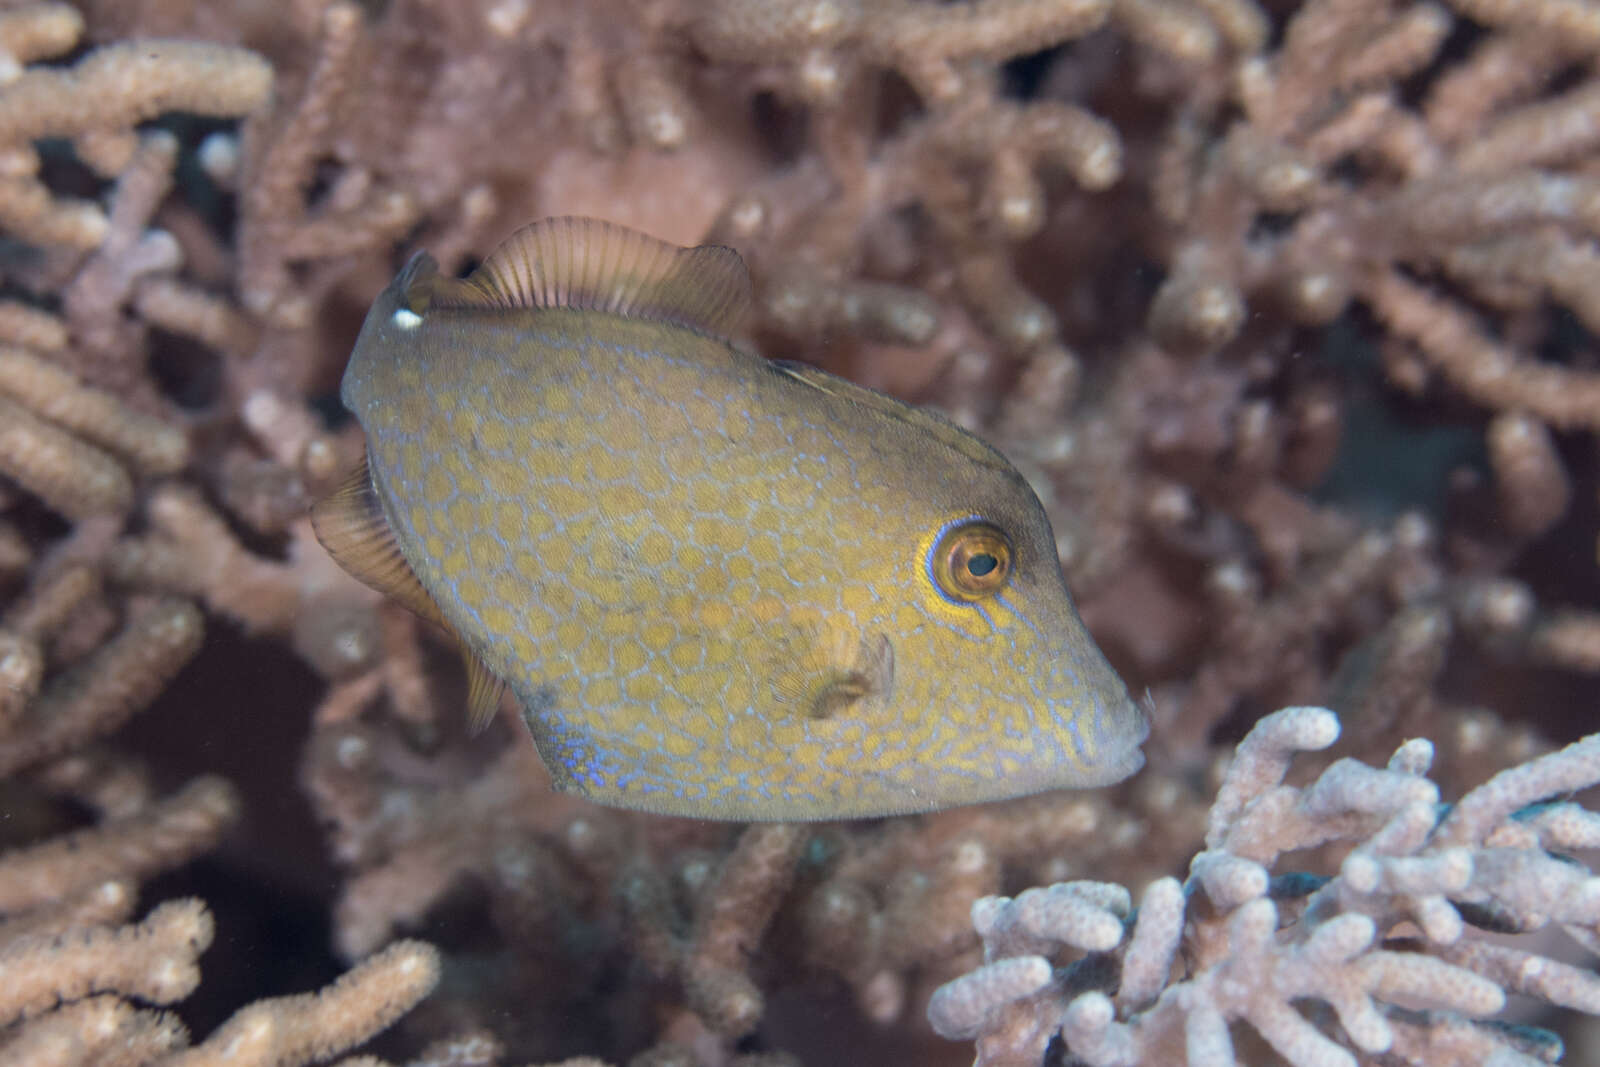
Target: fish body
[718, 586]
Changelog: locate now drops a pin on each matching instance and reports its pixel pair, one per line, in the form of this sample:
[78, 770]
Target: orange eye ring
[971, 561]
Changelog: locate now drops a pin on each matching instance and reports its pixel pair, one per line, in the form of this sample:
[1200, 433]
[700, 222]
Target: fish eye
[971, 560]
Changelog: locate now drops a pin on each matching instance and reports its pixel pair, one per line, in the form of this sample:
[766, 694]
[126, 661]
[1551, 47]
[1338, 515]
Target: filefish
[718, 586]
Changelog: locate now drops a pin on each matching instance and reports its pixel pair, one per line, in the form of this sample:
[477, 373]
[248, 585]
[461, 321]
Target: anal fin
[351, 525]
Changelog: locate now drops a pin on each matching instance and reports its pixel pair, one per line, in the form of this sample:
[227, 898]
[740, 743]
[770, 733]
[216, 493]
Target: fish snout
[1102, 731]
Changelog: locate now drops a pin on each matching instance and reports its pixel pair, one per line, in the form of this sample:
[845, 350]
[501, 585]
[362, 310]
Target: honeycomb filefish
[718, 586]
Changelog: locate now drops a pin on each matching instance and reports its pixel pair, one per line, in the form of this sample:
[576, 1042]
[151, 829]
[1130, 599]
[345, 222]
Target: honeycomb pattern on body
[670, 550]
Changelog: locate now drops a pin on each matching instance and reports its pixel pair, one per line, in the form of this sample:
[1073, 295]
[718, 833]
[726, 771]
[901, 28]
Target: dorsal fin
[351, 525]
[600, 266]
[418, 281]
[941, 428]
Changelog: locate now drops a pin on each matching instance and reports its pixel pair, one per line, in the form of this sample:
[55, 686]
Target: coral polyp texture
[1392, 951]
[1285, 309]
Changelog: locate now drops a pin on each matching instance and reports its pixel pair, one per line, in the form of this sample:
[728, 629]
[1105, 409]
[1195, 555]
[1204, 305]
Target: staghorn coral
[1284, 308]
[73, 968]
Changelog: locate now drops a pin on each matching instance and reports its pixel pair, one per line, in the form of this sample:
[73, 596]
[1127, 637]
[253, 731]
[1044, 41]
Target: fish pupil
[981, 564]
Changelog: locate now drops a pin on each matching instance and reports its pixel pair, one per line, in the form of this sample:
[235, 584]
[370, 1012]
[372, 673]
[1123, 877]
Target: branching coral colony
[1381, 947]
[1285, 308]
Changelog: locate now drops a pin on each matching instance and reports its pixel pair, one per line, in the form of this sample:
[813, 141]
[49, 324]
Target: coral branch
[287, 1031]
[162, 836]
[154, 960]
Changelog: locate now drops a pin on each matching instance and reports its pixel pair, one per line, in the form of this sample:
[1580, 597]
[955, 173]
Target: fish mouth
[1104, 744]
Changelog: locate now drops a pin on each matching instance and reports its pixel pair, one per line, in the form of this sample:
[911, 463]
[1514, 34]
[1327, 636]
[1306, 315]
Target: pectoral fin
[824, 669]
[351, 525]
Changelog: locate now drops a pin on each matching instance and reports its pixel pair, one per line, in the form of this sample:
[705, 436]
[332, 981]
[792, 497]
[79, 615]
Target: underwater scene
[762, 533]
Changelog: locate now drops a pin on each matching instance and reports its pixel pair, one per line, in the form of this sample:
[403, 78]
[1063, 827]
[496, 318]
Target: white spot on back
[406, 319]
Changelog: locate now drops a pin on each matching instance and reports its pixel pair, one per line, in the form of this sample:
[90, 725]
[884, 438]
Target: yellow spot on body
[566, 499]
[715, 615]
[746, 734]
[580, 530]
[437, 485]
[537, 523]
[767, 608]
[655, 549]
[742, 467]
[642, 589]
[689, 464]
[570, 633]
[701, 412]
[494, 434]
[456, 465]
[508, 524]
[788, 734]
[645, 688]
[807, 754]
[628, 529]
[738, 693]
[857, 599]
[808, 440]
[501, 475]
[793, 493]
[708, 497]
[629, 656]
[720, 652]
[602, 692]
[673, 708]
[462, 514]
[470, 590]
[556, 401]
[709, 581]
[506, 588]
[843, 758]
[652, 477]
[623, 501]
[604, 554]
[735, 424]
[594, 657]
[626, 436]
[764, 550]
